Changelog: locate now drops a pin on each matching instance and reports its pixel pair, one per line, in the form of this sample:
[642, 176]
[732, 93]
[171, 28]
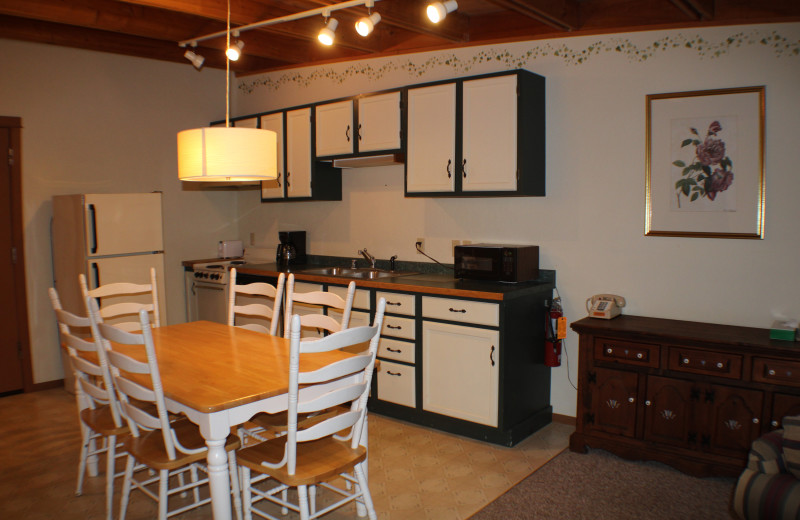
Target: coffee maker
[291, 249]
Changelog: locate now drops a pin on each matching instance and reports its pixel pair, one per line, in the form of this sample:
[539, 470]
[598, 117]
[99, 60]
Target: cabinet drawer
[464, 311]
[398, 327]
[395, 349]
[360, 298]
[776, 371]
[626, 352]
[720, 364]
[396, 384]
[397, 303]
[357, 318]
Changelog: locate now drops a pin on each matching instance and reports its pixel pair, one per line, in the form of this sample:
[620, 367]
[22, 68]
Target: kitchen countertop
[427, 283]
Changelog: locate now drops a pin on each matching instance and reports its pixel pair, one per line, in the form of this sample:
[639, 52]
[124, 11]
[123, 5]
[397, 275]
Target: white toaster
[230, 249]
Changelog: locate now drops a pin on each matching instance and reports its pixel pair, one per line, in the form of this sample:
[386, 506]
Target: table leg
[218, 480]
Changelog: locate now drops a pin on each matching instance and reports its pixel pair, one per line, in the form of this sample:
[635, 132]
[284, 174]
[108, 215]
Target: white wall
[102, 123]
[590, 225]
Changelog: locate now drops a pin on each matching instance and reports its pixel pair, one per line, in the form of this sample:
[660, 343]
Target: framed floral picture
[705, 164]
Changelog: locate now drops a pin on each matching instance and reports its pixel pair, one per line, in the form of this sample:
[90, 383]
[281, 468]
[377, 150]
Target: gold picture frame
[704, 173]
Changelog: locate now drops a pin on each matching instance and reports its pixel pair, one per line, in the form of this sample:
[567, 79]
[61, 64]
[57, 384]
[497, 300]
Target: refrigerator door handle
[96, 275]
[93, 220]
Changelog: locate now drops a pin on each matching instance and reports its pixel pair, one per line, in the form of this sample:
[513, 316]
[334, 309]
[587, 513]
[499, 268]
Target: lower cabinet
[692, 395]
[453, 355]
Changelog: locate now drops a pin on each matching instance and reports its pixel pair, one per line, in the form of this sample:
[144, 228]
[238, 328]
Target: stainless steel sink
[365, 273]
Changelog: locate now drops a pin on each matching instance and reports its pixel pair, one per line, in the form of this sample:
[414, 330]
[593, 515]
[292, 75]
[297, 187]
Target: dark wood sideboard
[689, 394]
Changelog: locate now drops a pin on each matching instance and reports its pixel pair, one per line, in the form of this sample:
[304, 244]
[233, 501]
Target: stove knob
[197, 275]
[215, 276]
[205, 275]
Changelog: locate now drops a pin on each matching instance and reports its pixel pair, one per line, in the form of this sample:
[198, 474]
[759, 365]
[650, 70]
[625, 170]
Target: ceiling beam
[558, 14]
[696, 9]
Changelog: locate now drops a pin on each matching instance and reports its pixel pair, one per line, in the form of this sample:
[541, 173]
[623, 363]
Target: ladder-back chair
[256, 301]
[120, 302]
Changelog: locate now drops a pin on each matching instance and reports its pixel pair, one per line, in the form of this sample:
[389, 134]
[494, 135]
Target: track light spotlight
[326, 34]
[196, 59]
[235, 50]
[365, 25]
[438, 10]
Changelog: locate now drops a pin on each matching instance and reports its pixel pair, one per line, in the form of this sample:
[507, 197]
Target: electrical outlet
[420, 245]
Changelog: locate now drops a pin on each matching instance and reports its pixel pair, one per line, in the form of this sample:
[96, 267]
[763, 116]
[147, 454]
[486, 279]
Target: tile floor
[414, 472]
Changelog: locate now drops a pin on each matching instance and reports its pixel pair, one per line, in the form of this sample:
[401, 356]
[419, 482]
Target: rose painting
[702, 169]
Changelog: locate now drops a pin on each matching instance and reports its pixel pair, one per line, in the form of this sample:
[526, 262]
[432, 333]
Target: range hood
[369, 160]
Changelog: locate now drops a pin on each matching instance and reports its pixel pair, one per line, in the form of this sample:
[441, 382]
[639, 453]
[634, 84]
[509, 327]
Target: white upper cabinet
[482, 136]
[379, 122]
[489, 140]
[335, 134]
[298, 153]
[274, 189]
[431, 139]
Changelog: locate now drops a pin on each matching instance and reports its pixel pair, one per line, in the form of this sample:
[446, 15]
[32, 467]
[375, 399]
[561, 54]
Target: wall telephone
[604, 305]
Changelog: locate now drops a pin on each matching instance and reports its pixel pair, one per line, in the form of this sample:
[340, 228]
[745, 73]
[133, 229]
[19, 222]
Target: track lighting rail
[281, 19]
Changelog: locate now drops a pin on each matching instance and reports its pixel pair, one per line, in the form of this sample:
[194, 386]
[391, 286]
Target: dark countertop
[428, 283]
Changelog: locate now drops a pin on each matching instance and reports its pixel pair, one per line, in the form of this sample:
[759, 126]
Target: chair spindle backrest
[253, 302]
[122, 310]
[322, 299]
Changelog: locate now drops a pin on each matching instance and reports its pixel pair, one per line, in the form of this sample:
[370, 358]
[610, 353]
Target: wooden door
[334, 128]
[612, 401]
[274, 189]
[13, 310]
[668, 411]
[783, 405]
[379, 122]
[733, 419]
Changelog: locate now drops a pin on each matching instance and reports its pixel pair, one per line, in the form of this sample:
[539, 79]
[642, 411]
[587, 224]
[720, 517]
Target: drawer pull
[609, 350]
[396, 350]
[771, 372]
[458, 310]
[395, 327]
[719, 365]
[647, 403]
[685, 361]
[630, 399]
[639, 355]
[393, 303]
[389, 372]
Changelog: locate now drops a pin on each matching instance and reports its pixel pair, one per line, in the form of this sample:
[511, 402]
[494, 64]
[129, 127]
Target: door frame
[14, 126]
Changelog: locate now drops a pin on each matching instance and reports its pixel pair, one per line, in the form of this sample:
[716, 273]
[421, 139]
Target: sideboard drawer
[776, 371]
[360, 298]
[395, 349]
[626, 352]
[720, 364]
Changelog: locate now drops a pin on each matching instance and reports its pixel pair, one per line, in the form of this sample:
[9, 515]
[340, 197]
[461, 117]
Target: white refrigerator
[108, 237]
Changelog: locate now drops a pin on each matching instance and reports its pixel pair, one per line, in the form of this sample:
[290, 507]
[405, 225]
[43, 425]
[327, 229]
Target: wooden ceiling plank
[704, 7]
[560, 14]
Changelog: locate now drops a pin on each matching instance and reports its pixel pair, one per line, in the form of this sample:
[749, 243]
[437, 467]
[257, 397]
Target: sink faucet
[369, 257]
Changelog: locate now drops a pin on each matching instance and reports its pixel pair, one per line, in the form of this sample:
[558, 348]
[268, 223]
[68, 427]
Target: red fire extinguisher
[554, 332]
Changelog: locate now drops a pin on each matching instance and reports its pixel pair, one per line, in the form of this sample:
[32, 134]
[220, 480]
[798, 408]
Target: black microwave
[500, 263]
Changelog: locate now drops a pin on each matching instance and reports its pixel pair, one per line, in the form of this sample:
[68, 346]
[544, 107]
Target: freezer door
[131, 269]
[122, 223]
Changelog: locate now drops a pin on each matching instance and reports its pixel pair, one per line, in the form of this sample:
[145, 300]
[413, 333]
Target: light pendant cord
[228, 70]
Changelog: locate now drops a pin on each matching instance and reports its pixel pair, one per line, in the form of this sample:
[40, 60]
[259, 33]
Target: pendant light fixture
[227, 154]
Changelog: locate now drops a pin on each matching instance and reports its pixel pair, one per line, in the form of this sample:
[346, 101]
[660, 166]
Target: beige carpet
[414, 472]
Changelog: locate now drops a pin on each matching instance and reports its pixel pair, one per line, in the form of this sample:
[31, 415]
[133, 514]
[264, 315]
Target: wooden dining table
[219, 377]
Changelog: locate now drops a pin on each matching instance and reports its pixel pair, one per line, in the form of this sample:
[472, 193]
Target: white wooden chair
[253, 302]
[326, 300]
[168, 448]
[315, 455]
[263, 425]
[102, 426]
[123, 302]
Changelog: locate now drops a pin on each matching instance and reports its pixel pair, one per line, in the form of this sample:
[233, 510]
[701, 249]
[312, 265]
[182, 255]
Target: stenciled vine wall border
[559, 49]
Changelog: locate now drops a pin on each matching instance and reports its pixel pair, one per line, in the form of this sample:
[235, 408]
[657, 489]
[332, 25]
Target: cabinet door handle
[464, 168]
[449, 162]
[393, 303]
[389, 372]
[396, 327]
[491, 355]
[347, 133]
[463, 311]
[287, 179]
[279, 179]
[359, 132]
[395, 350]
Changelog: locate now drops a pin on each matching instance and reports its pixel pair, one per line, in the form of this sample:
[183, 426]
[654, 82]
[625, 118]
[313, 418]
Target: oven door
[206, 301]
